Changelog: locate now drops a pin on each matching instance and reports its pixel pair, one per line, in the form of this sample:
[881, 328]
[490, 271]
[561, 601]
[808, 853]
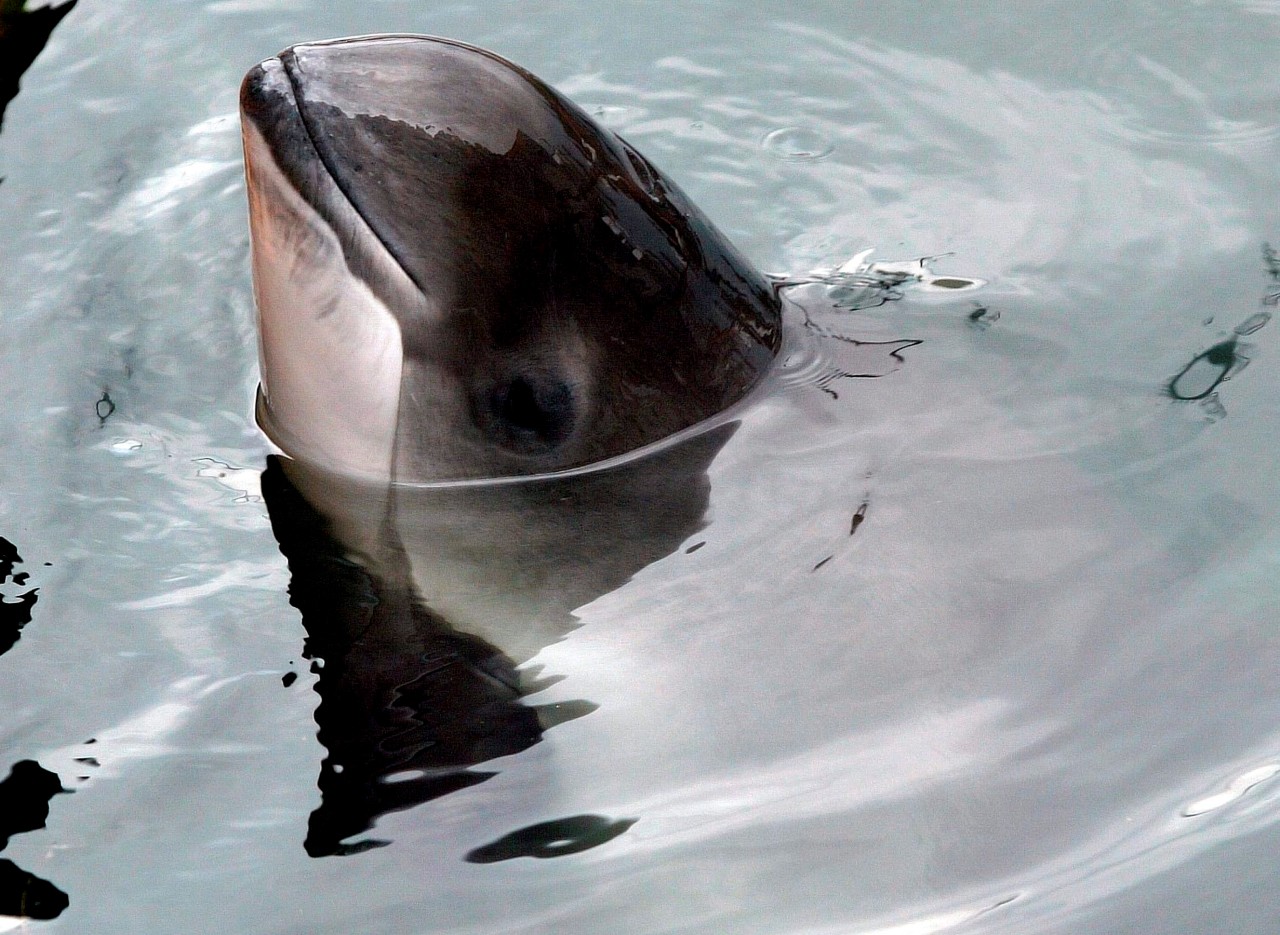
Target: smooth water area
[978, 633]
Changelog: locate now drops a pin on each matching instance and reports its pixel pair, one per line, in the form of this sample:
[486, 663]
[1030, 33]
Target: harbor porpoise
[460, 275]
[466, 288]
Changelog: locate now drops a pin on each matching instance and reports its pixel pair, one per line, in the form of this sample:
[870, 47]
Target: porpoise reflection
[419, 603]
[465, 289]
[23, 34]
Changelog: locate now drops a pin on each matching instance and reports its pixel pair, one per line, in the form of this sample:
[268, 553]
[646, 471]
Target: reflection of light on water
[856, 771]
[220, 123]
[238, 574]
[1149, 842]
[1235, 789]
[686, 66]
[141, 737]
[164, 192]
[929, 925]
[246, 482]
[148, 734]
[236, 7]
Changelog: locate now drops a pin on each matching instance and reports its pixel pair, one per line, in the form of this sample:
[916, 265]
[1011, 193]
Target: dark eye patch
[530, 413]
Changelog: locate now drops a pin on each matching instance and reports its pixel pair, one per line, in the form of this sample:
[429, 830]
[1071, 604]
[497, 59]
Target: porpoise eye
[532, 414]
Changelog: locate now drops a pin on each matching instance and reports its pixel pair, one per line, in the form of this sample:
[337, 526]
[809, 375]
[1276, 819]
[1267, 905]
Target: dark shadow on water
[552, 838]
[399, 689]
[15, 613]
[1208, 369]
[26, 792]
[412, 696]
[23, 34]
[1200, 378]
[25, 895]
[24, 806]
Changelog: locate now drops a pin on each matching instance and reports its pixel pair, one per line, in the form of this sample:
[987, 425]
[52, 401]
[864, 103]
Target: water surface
[978, 632]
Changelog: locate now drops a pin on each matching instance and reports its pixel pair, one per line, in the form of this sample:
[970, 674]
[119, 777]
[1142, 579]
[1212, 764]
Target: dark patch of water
[14, 614]
[24, 806]
[23, 34]
[552, 838]
[401, 692]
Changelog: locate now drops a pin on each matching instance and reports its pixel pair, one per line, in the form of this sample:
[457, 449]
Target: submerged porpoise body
[460, 275]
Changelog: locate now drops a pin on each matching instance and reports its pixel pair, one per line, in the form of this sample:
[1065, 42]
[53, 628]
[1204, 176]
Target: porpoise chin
[460, 275]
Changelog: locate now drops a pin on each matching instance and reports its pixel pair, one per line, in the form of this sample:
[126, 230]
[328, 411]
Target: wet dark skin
[540, 229]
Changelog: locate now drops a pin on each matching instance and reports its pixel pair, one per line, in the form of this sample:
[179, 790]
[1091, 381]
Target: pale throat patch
[331, 354]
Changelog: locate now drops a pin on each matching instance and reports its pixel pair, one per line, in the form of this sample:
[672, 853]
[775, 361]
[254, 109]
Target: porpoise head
[460, 275]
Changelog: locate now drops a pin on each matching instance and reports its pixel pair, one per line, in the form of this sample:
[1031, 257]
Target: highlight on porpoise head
[460, 275]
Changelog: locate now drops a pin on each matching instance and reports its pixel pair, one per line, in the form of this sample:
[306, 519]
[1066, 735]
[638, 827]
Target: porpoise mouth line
[288, 64]
[287, 60]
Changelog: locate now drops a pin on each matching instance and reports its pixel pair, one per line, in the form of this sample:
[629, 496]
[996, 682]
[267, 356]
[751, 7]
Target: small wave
[1235, 789]
[1155, 102]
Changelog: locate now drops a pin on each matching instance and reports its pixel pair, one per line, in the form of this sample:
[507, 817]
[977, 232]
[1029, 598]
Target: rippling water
[980, 634]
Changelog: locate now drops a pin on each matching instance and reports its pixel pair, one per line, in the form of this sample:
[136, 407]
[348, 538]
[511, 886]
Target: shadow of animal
[414, 693]
[23, 34]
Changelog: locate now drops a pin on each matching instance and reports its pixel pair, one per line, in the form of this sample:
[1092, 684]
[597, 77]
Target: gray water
[1032, 692]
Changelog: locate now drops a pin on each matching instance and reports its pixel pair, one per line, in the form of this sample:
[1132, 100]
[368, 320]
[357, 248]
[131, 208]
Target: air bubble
[797, 143]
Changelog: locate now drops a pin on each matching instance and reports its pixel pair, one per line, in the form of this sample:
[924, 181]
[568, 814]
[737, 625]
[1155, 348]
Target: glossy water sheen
[986, 644]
